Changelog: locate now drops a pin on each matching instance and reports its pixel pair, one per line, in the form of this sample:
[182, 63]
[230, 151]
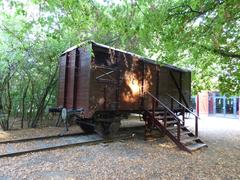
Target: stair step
[171, 122]
[196, 146]
[168, 120]
[162, 117]
[174, 128]
[159, 113]
[189, 139]
[182, 133]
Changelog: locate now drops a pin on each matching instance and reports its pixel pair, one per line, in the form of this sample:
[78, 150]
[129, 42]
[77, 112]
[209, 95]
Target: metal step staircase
[172, 125]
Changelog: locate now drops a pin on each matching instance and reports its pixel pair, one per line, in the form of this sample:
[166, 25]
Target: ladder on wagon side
[174, 127]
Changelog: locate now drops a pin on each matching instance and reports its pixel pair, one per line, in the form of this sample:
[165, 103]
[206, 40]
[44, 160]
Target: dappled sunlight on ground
[136, 158]
[4, 135]
[36, 132]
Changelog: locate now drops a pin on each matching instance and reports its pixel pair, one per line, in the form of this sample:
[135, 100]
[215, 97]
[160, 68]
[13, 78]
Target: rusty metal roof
[126, 52]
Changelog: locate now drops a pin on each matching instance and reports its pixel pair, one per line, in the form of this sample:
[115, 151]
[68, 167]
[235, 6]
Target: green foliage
[202, 36]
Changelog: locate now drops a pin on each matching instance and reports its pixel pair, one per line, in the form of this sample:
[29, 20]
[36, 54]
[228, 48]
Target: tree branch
[187, 9]
[222, 52]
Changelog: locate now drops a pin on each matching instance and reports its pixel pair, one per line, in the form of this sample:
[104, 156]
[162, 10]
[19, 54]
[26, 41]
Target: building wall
[203, 103]
[212, 103]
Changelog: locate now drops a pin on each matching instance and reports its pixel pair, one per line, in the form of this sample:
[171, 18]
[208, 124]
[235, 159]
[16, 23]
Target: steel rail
[40, 138]
[91, 142]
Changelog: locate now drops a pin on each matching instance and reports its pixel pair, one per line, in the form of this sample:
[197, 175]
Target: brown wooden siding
[83, 79]
[61, 83]
[122, 89]
[70, 78]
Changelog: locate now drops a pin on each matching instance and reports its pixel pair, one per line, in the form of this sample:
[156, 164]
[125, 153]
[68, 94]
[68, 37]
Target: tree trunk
[42, 104]
[23, 103]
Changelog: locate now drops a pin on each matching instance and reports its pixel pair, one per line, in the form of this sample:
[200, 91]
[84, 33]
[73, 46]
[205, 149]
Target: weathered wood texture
[100, 78]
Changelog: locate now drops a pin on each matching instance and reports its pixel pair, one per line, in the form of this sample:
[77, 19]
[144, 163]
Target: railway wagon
[99, 85]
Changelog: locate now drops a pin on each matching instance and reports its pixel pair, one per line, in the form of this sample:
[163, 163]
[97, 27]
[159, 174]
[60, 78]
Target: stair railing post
[165, 118]
[171, 103]
[178, 130]
[145, 122]
[183, 116]
[196, 126]
[153, 107]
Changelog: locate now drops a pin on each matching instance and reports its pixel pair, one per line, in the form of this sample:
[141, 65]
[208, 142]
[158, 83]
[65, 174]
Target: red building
[208, 102]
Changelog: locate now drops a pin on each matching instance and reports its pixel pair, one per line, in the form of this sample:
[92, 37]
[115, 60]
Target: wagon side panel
[104, 79]
[130, 96]
[61, 81]
[164, 85]
[83, 79]
[150, 83]
[175, 89]
[70, 78]
[186, 87]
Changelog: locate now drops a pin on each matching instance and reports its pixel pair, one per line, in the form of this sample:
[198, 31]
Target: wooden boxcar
[100, 84]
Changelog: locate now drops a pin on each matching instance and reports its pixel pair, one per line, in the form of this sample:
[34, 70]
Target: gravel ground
[46, 143]
[39, 132]
[137, 159]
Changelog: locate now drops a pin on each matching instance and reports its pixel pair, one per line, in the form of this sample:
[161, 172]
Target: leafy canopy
[202, 36]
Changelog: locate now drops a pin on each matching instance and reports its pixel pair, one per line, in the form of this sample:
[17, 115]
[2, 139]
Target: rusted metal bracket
[111, 79]
[105, 74]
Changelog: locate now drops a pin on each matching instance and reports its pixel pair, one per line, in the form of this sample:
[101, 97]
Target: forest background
[203, 36]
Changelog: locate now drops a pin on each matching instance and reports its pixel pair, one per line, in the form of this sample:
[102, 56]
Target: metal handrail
[160, 102]
[189, 110]
[196, 116]
[169, 110]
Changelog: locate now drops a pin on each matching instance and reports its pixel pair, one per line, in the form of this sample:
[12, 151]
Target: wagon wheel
[107, 129]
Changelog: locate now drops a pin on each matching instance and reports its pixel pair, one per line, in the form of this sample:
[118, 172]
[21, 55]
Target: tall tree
[202, 36]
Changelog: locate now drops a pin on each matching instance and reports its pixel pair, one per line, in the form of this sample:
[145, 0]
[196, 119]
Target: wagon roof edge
[127, 52]
[76, 46]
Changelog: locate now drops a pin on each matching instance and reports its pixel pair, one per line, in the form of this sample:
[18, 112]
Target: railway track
[39, 138]
[19, 147]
